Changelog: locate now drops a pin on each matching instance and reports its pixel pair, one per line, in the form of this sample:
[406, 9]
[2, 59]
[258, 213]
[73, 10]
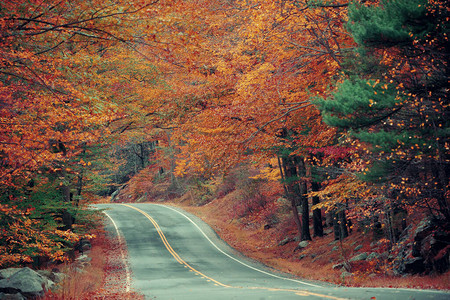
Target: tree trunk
[336, 227]
[306, 236]
[80, 178]
[343, 225]
[317, 213]
[288, 170]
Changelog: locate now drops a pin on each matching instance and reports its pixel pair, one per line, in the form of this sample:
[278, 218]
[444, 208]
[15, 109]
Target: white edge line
[235, 259]
[276, 276]
[127, 270]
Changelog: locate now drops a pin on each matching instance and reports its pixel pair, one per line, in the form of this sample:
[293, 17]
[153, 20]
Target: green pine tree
[394, 98]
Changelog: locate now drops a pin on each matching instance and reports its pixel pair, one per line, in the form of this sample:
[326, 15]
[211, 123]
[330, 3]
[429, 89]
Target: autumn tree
[54, 104]
[274, 57]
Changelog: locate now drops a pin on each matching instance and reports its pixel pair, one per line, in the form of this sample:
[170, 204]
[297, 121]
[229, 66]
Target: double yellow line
[170, 249]
[181, 261]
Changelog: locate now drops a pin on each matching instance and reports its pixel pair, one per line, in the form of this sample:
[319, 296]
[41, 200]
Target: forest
[334, 111]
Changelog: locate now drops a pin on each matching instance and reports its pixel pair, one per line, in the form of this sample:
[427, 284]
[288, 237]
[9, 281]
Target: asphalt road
[174, 255]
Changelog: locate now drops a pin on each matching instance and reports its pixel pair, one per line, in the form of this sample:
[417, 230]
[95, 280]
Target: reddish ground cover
[314, 262]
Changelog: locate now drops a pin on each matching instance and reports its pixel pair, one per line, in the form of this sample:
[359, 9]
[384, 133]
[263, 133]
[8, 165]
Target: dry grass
[103, 278]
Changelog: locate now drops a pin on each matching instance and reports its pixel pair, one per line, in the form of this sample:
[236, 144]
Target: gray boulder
[284, 241]
[16, 296]
[54, 276]
[429, 250]
[345, 275]
[373, 256]
[6, 273]
[114, 195]
[83, 245]
[343, 266]
[359, 257]
[27, 282]
[301, 245]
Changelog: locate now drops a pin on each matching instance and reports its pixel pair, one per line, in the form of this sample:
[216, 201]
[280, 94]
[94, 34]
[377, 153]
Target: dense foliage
[344, 103]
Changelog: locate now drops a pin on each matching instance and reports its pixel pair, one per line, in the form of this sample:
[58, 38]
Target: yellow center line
[181, 261]
[170, 249]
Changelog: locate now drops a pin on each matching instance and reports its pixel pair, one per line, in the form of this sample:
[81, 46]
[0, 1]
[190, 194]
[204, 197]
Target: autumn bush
[37, 226]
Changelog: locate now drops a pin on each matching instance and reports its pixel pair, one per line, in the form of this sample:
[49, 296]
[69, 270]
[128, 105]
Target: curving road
[174, 255]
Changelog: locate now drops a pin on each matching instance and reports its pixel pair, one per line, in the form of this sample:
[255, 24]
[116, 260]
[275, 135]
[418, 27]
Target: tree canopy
[350, 98]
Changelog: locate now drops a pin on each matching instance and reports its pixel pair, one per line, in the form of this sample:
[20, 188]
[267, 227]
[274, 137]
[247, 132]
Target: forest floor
[314, 262]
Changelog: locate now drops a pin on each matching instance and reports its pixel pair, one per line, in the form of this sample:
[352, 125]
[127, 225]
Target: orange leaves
[22, 238]
[256, 69]
[52, 83]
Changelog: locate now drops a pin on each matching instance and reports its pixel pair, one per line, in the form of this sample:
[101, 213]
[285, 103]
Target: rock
[342, 266]
[6, 273]
[54, 276]
[114, 195]
[284, 241]
[345, 275]
[358, 247]
[83, 245]
[59, 277]
[413, 266]
[302, 256]
[82, 261]
[303, 244]
[359, 257]
[328, 231]
[424, 227]
[83, 258]
[16, 296]
[405, 233]
[373, 256]
[27, 282]
[429, 250]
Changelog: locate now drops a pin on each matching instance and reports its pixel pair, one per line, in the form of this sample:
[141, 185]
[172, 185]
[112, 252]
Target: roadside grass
[103, 278]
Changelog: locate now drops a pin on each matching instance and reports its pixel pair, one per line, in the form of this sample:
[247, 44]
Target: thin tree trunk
[80, 178]
[286, 172]
[306, 236]
[317, 213]
[336, 227]
[343, 225]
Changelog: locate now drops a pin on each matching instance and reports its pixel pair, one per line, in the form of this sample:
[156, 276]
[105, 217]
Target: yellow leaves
[270, 172]
[180, 169]
[256, 76]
